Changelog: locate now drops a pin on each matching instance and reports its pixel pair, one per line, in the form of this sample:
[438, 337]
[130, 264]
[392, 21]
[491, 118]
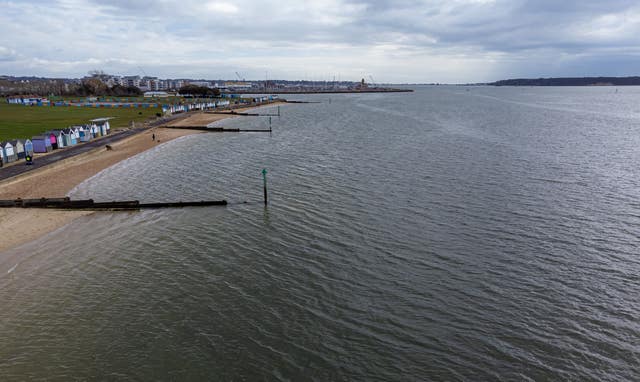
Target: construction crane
[239, 77]
[373, 83]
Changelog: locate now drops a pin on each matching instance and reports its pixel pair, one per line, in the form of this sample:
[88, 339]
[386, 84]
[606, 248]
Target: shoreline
[58, 179]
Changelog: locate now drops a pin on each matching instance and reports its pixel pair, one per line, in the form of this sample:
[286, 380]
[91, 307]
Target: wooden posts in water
[264, 181]
[89, 204]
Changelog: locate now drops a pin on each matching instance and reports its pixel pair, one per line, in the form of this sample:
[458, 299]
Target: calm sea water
[447, 234]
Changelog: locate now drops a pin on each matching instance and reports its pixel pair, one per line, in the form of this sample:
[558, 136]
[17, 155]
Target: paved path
[21, 167]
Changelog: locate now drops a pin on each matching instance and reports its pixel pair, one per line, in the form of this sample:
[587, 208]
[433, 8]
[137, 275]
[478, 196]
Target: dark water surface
[446, 234]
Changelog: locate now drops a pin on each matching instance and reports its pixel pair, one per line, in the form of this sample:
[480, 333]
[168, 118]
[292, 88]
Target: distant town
[98, 82]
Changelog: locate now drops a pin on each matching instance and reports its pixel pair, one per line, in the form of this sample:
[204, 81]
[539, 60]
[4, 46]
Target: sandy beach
[58, 179]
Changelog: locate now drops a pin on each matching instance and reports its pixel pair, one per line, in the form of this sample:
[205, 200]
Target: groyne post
[264, 182]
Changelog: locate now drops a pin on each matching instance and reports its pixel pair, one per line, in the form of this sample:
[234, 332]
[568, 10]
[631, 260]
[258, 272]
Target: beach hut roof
[101, 120]
[5, 144]
[39, 137]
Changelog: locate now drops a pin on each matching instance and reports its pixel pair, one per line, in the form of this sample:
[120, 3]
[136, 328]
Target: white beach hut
[18, 147]
[9, 152]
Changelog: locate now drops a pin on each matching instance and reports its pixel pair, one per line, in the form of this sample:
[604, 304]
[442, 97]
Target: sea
[448, 234]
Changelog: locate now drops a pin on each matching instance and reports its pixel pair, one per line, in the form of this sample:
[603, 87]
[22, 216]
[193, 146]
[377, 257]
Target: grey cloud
[190, 37]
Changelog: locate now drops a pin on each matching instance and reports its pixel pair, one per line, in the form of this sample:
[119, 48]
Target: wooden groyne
[219, 129]
[233, 113]
[89, 204]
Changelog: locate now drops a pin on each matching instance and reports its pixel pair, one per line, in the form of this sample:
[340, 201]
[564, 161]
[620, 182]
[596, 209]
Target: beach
[58, 179]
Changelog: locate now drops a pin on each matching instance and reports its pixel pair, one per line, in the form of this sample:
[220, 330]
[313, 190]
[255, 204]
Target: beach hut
[18, 147]
[76, 133]
[54, 140]
[3, 156]
[103, 125]
[9, 153]
[28, 147]
[84, 133]
[95, 131]
[69, 137]
[41, 143]
[65, 139]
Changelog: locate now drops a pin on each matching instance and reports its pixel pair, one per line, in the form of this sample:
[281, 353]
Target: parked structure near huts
[28, 147]
[18, 147]
[41, 143]
[103, 125]
[8, 152]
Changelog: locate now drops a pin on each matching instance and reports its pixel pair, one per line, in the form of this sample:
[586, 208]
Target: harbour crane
[373, 83]
[240, 78]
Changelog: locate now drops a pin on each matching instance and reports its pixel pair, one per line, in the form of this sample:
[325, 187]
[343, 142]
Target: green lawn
[17, 121]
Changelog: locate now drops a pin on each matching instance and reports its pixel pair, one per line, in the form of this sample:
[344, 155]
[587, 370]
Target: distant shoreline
[374, 90]
[569, 81]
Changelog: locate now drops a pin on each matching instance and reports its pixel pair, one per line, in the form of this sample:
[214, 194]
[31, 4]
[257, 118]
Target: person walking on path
[153, 137]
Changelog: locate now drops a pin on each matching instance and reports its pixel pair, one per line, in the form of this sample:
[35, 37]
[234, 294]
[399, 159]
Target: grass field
[18, 121]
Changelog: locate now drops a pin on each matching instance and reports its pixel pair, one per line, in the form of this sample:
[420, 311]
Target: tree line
[569, 81]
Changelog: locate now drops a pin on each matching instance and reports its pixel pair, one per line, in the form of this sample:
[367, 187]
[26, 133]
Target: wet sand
[58, 179]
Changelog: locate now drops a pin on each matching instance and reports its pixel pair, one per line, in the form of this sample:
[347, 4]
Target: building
[8, 153]
[41, 143]
[18, 146]
[157, 94]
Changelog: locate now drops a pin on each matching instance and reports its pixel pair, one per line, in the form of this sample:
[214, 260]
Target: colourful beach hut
[95, 131]
[84, 133]
[103, 125]
[41, 143]
[18, 147]
[54, 140]
[76, 133]
[8, 152]
[69, 137]
[3, 156]
[28, 147]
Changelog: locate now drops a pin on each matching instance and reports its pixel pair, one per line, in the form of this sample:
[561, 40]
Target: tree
[201, 91]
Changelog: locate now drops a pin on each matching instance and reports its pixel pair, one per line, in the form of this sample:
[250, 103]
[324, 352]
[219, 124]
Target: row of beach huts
[183, 108]
[17, 149]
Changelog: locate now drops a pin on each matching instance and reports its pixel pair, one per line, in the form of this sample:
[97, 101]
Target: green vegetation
[18, 121]
[201, 91]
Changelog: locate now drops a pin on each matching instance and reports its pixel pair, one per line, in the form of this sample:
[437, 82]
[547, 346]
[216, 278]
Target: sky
[399, 41]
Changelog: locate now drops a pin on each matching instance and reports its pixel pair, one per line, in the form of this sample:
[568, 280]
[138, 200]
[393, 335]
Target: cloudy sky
[397, 41]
